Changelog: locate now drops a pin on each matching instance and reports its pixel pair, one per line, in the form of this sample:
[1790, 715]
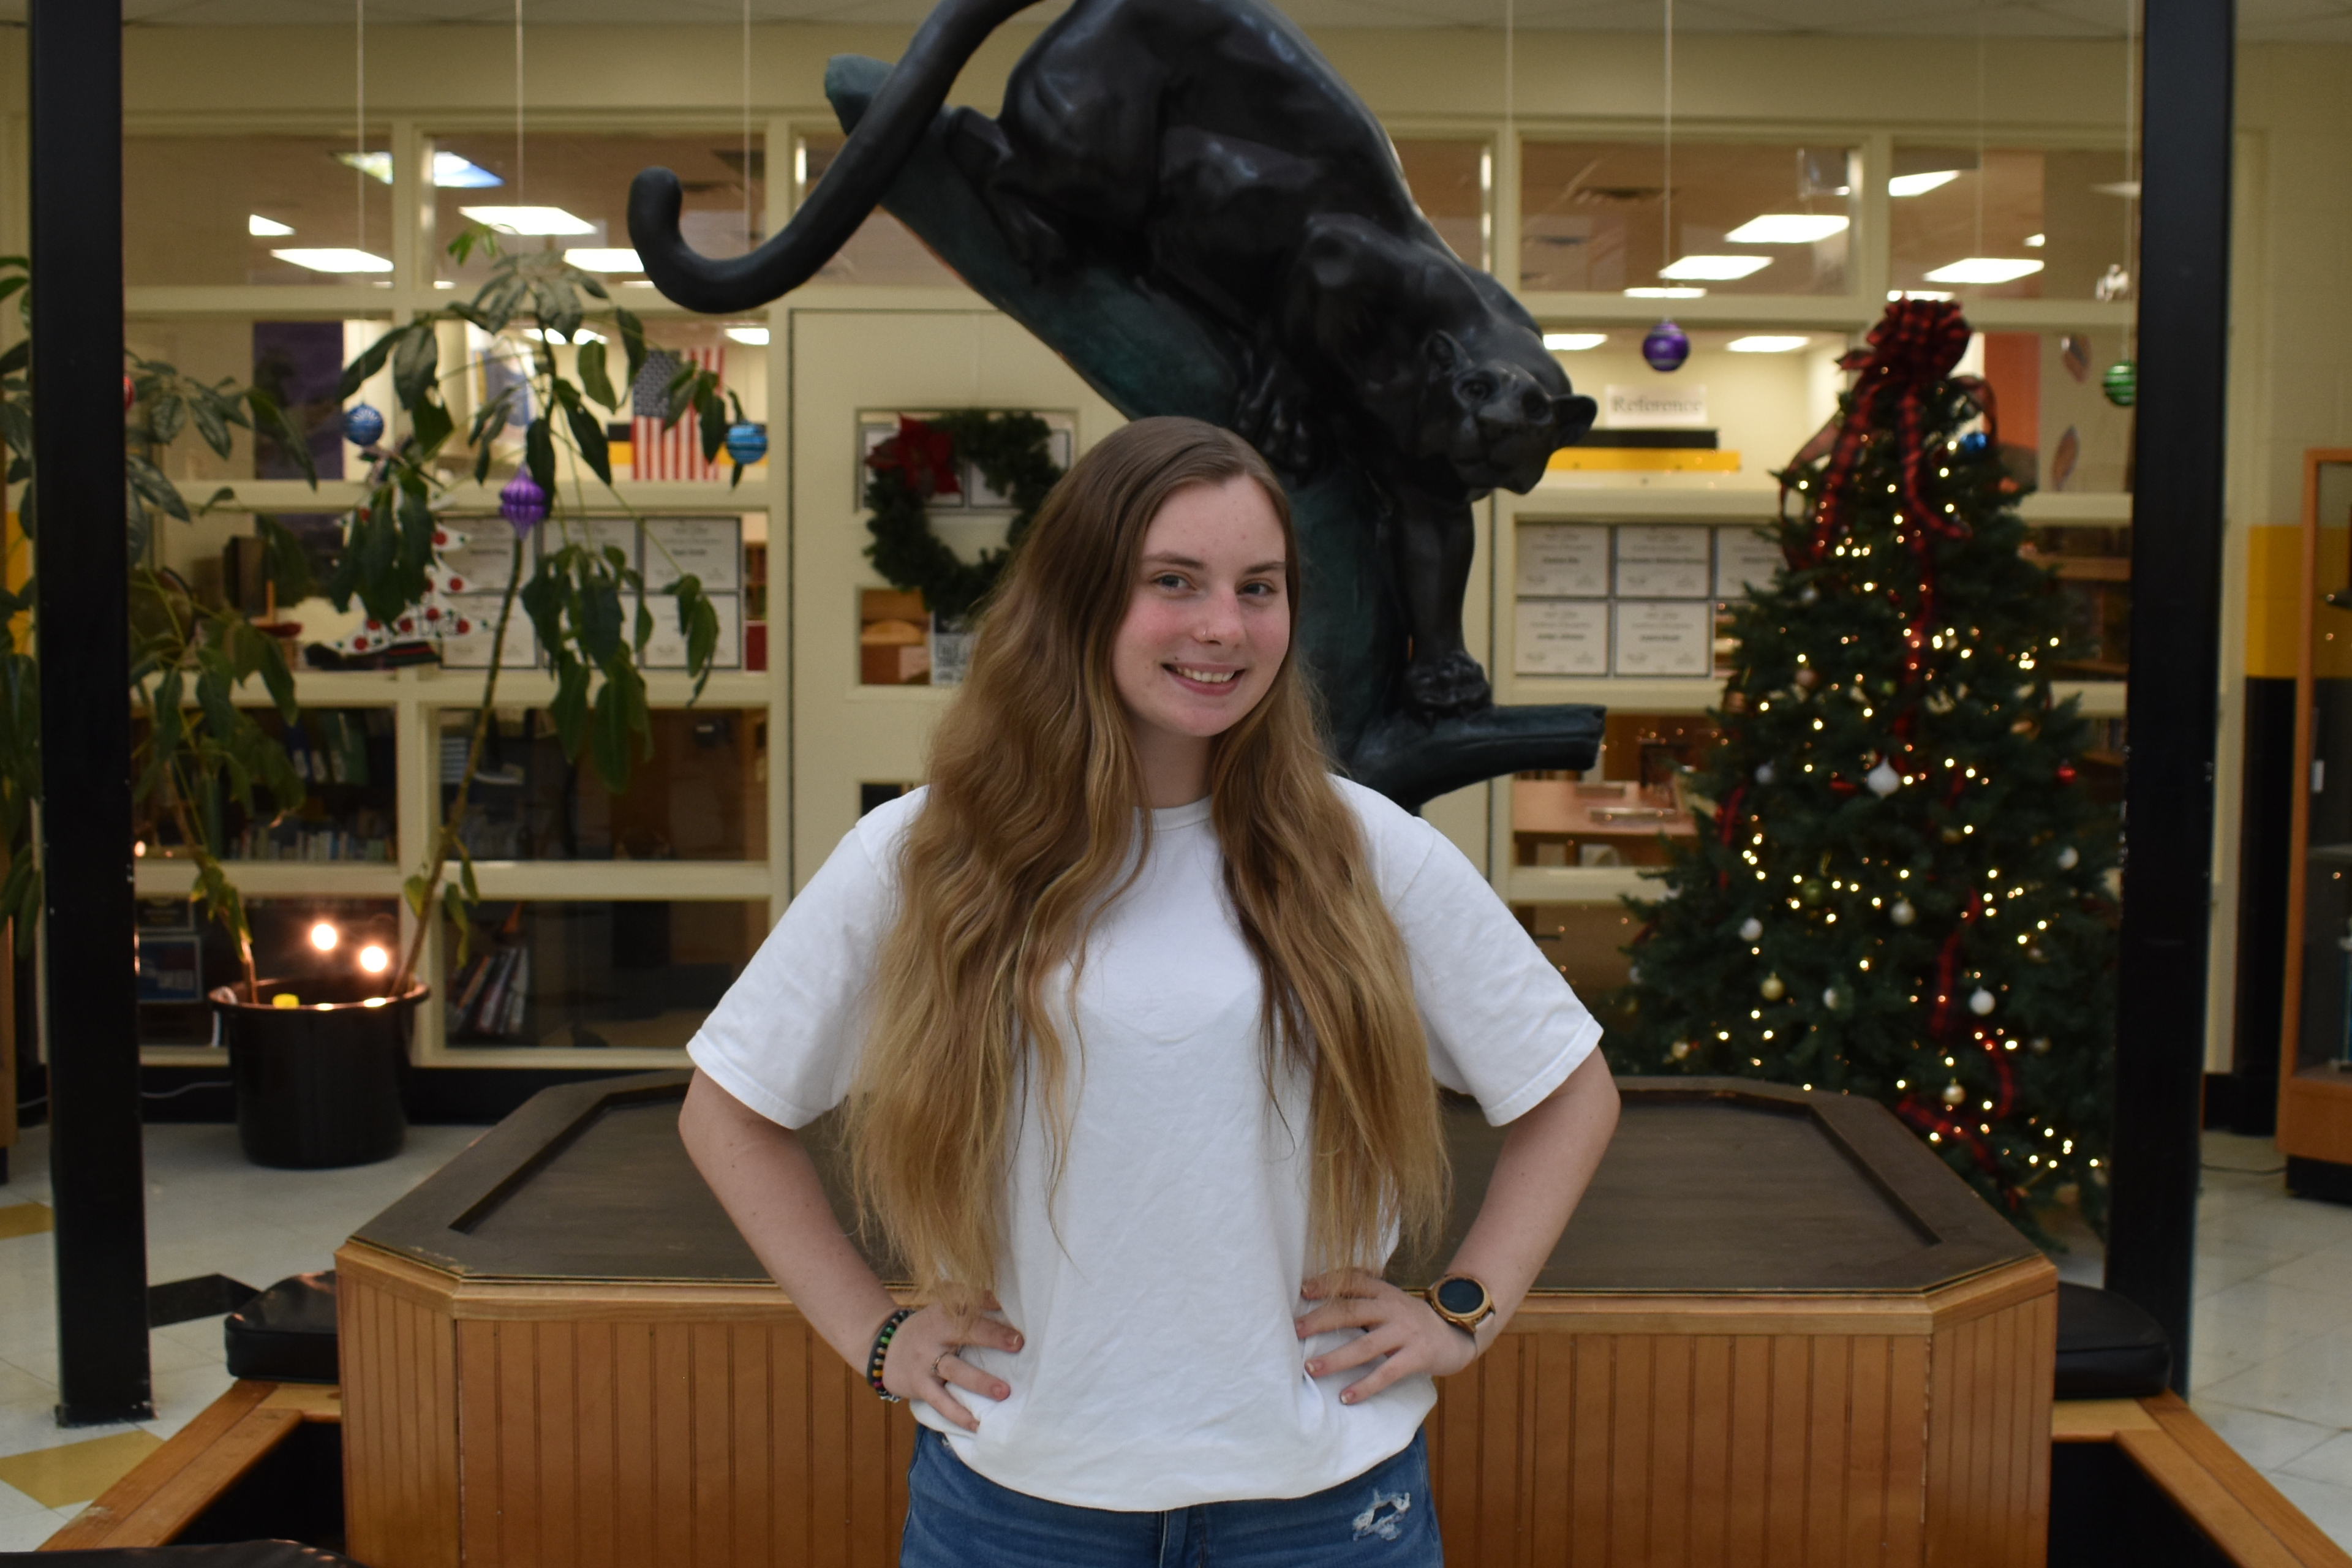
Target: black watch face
[1461, 1297]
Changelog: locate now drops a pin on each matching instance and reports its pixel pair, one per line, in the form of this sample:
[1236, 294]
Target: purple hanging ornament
[1666, 346]
[522, 503]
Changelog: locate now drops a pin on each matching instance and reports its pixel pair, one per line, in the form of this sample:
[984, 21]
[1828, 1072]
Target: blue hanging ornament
[362, 425]
[522, 503]
[1973, 444]
[746, 443]
[2121, 384]
[1666, 346]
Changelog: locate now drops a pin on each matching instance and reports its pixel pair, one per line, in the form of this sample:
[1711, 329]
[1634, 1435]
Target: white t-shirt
[1159, 1368]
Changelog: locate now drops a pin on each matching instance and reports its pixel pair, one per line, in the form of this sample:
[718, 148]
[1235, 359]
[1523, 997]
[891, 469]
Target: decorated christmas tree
[1898, 887]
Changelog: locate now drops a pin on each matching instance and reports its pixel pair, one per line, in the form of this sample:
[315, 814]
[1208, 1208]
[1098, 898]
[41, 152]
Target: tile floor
[2272, 1369]
[208, 1212]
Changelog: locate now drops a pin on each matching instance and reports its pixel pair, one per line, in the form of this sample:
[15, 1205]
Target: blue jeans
[957, 1518]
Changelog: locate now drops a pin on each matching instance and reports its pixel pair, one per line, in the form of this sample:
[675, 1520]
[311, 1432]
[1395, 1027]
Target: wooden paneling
[150, 1506]
[400, 1411]
[705, 1424]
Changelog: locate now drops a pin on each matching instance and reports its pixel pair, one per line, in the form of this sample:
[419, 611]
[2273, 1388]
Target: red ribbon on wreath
[924, 454]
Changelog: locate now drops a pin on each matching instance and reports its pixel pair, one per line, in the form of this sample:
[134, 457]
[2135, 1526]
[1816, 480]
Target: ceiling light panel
[756, 336]
[1716, 268]
[1787, 228]
[1767, 343]
[1985, 269]
[331, 258]
[452, 173]
[1920, 184]
[1664, 293]
[265, 227]
[528, 220]
[1574, 343]
[598, 259]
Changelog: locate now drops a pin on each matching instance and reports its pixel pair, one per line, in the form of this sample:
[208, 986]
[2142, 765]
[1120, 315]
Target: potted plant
[575, 595]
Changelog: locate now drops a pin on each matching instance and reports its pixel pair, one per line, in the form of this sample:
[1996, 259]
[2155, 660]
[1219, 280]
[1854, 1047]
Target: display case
[2315, 1110]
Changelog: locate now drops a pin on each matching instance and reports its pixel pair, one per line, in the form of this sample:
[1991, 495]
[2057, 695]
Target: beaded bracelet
[881, 1353]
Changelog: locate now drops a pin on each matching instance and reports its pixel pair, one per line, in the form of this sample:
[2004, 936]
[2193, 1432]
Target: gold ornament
[1679, 1049]
[1954, 1094]
[1772, 988]
[1902, 913]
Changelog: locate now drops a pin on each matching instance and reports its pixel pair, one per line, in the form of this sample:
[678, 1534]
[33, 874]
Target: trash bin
[319, 1084]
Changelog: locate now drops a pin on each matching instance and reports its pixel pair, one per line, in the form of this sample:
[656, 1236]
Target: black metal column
[2184, 298]
[95, 1168]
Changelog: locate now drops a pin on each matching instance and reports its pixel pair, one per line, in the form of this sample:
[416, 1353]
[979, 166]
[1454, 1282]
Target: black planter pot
[318, 1086]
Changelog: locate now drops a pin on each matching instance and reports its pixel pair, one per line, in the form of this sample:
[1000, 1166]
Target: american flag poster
[675, 453]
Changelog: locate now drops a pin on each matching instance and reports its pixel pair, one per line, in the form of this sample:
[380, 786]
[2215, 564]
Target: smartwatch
[1461, 1301]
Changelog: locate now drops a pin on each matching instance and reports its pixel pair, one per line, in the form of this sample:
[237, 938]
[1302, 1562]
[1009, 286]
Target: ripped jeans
[957, 1518]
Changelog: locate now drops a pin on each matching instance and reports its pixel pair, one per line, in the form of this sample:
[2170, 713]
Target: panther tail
[851, 188]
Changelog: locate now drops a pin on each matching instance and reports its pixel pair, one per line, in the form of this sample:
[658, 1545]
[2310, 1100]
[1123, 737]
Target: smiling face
[1207, 626]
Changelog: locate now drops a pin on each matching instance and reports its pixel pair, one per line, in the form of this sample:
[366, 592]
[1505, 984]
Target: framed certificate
[1562, 636]
[1662, 561]
[1665, 637]
[1745, 558]
[1563, 560]
[709, 548]
[666, 650]
[471, 650]
[480, 563]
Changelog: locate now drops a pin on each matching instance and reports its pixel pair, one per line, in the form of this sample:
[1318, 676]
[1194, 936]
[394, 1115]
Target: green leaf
[278, 679]
[632, 341]
[543, 600]
[414, 890]
[414, 363]
[169, 416]
[569, 709]
[641, 630]
[592, 377]
[588, 433]
[371, 361]
[599, 621]
[539, 453]
[267, 416]
[714, 423]
[701, 639]
[147, 481]
[430, 423]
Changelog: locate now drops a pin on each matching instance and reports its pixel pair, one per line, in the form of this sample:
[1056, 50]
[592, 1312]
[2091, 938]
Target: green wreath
[1013, 452]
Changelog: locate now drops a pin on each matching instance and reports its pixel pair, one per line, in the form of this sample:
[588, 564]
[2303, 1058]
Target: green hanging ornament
[2121, 382]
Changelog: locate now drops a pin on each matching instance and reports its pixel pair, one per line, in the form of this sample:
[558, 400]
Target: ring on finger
[937, 1376]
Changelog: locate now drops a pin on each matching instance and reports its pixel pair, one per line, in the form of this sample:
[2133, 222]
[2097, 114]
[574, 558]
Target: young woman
[1138, 1016]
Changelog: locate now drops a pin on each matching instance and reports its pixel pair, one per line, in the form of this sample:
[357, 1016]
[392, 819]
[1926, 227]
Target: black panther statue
[1186, 201]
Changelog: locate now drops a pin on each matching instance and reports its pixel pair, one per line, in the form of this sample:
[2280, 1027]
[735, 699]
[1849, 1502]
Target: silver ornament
[1750, 929]
[1980, 1002]
[1902, 914]
[2040, 1045]
[1632, 974]
[1809, 595]
[1831, 999]
[1764, 773]
[1954, 1094]
[2068, 859]
[1883, 779]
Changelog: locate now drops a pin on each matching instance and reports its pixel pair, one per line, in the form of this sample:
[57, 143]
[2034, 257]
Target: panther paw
[1446, 684]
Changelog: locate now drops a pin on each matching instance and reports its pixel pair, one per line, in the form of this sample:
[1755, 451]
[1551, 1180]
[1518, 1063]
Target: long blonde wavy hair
[1033, 807]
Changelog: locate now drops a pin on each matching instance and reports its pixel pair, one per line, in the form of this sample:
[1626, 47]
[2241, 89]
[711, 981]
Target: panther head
[1496, 417]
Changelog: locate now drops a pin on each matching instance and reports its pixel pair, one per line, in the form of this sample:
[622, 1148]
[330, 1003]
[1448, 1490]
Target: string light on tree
[1893, 800]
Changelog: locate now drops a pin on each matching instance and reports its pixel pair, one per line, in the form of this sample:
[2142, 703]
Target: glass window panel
[701, 796]
[2059, 220]
[584, 177]
[345, 757]
[191, 206]
[2094, 571]
[883, 250]
[1592, 217]
[2059, 430]
[1622, 810]
[299, 363]
[1451, 182]
[1586, 944]
[634, 973]
[182, 955]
